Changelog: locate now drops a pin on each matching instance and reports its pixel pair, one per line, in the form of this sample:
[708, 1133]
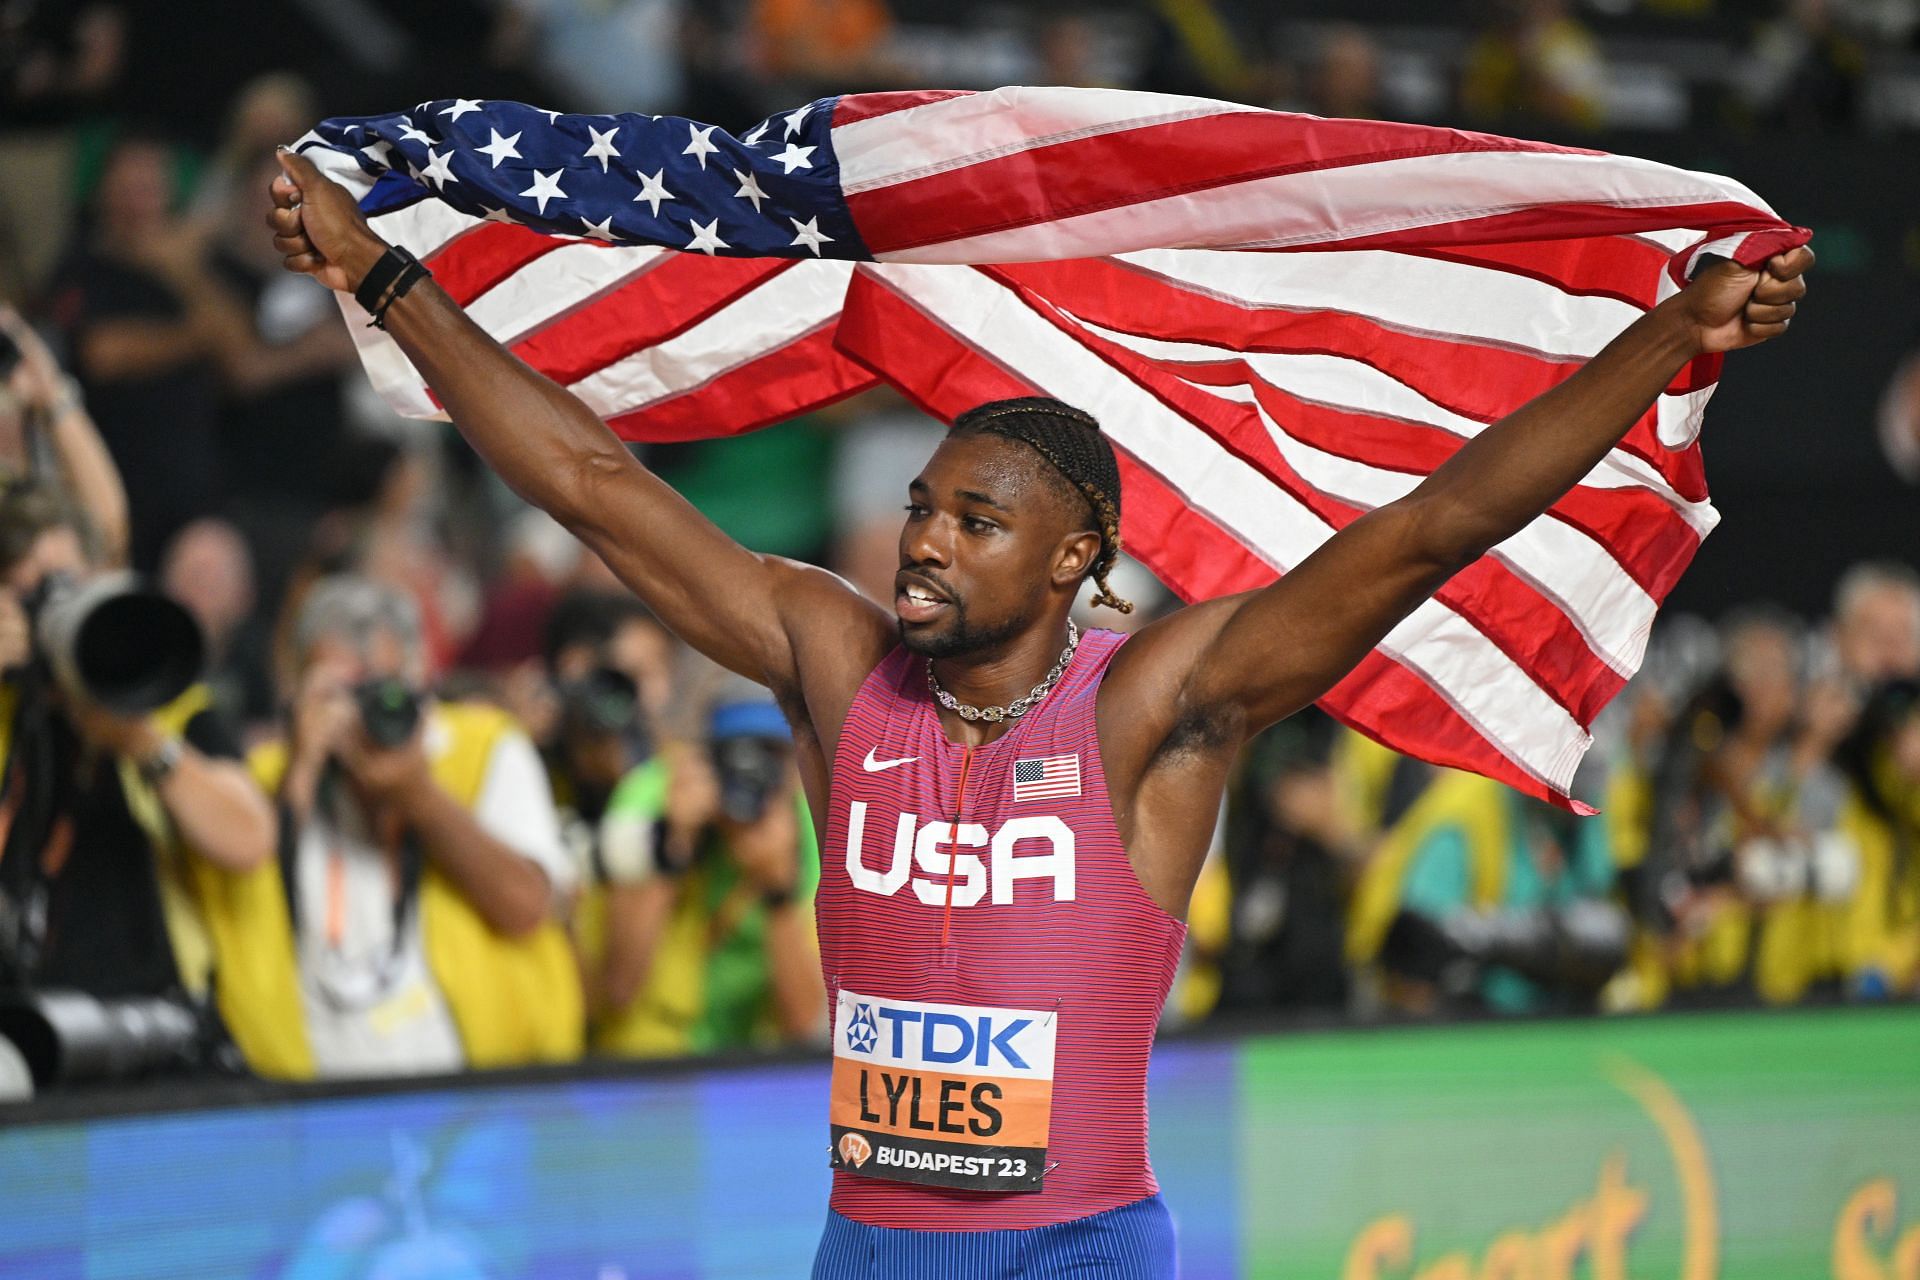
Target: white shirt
[372, 1005]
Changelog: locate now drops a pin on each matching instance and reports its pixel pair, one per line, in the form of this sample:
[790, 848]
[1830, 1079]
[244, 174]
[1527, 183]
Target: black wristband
[413, 274]
[381, 277]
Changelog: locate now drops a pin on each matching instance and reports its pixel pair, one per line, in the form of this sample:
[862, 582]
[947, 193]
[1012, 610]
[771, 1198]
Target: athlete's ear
[1074, 557]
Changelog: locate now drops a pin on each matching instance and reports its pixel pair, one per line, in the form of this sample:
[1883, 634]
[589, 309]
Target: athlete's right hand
[318, 228]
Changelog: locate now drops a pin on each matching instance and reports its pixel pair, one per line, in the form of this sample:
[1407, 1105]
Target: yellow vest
[220, 924]
[1466, 801]
[514, 1000]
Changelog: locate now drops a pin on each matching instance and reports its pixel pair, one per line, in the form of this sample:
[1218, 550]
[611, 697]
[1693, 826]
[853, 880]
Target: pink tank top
[995, 984]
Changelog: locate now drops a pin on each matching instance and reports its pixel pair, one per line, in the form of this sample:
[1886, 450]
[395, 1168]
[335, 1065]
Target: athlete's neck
[995, 677]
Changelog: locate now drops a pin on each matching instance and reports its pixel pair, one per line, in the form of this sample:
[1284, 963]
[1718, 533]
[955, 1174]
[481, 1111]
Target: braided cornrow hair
[1071, 442]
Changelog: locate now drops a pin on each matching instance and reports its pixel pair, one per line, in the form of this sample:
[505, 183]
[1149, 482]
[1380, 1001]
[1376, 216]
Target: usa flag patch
[1047, 779]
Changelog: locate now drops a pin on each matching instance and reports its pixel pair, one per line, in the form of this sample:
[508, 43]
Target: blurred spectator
[400, 538]
[57, 60]
[1876, 623]
[590, 631]
[1535, 63]
[809, 48]
[540, 556]
[144, 323]
[1877, 927]
[701, 938]
[601, 698]
[42, 413]
[1065, 45]
[1344, 81]
[59, 65]
[1744, 798]
[1481, 897]
[714, 83]
[1291, 858]
[1900, 419]
[423, 859]
[283, 434]
[156, 331]
[117, 822]
[1205, 49]
[614, 55]
[267, 112]
[1804, 67]
[208, 569]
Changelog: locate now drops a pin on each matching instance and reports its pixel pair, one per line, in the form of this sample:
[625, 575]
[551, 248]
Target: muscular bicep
[1219, 672]
[1289, 643]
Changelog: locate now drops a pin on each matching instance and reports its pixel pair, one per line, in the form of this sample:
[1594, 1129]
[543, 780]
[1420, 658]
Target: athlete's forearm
[1507, 475]
[542, 440]
[553, 451]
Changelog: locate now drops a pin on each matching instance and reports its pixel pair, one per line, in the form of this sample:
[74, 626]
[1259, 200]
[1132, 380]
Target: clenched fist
[318, 228]
[1729, 306]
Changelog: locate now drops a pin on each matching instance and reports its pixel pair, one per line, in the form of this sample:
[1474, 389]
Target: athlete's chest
[961, 828]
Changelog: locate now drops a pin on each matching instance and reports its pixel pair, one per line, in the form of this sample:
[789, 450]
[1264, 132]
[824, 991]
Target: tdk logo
[928, 1037]
[1032, 847]
[861, 1032]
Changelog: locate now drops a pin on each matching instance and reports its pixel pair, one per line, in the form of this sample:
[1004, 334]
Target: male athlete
[1014, 812]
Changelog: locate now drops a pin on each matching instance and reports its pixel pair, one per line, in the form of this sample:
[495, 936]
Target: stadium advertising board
[1728, 1147]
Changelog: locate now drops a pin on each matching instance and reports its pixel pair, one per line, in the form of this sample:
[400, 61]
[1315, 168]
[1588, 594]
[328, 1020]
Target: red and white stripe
[1282, 322]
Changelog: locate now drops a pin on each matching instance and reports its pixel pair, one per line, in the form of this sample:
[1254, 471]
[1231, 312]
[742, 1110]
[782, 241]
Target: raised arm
[758, 615]
[1244, 662]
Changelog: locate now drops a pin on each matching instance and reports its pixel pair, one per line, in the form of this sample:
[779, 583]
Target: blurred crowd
[444, 795]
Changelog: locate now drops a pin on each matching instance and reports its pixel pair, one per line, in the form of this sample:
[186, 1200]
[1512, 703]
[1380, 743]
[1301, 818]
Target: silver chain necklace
[1019, 706]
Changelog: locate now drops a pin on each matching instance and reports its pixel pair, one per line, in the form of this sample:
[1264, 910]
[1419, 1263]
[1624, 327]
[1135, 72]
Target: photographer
[608, 667]
[420, 857]
[1480, 898]
[709, 861]
[119, 806]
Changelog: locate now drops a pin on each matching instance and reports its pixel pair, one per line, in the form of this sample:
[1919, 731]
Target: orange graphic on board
[1873, 1210]
[1598, 1228]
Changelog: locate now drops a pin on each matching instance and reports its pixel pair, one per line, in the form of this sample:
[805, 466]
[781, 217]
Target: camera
[750, 770]
[1572, 948]
[389, 710]
[69, 1037]
[115, 640]
[604, 701]
[749, 743]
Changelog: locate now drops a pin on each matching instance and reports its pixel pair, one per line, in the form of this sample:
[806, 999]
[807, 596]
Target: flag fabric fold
[1281, 322]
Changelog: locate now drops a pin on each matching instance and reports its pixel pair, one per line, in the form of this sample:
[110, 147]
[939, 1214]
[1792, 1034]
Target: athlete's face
[990, 538]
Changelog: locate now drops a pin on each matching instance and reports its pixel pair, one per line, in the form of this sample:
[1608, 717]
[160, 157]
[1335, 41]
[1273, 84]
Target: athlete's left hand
[1729, 306]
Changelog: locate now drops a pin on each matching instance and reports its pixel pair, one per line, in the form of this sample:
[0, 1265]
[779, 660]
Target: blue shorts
[1133, 1242]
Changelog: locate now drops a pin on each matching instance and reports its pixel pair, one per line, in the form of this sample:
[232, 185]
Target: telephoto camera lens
[117, 641]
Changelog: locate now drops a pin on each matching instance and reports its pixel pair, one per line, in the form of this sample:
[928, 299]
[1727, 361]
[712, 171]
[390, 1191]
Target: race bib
[954, 1095]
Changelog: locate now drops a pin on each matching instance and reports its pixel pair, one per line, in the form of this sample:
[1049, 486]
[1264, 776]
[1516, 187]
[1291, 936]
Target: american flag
[1050, 778]
[1281, 321]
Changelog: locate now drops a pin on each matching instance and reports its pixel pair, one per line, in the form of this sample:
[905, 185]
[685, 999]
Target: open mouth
[914, 601]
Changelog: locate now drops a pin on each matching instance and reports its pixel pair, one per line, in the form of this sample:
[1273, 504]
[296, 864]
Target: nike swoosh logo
[872, 765]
